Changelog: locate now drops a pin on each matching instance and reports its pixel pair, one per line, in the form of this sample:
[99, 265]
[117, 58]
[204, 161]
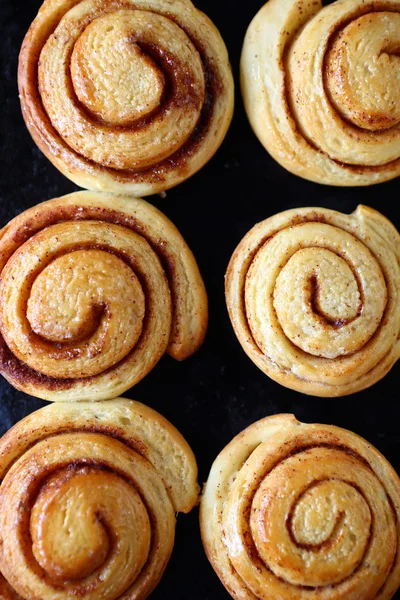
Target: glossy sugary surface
[88, 497]
[302, 512]
[320, 86]
[95, 289]
[123, 96]
[314, 298]
[218, 391]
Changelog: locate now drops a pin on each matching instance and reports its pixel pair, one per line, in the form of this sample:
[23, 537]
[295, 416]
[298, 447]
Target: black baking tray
[218, 392]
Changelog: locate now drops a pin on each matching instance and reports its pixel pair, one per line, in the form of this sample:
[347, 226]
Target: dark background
[218, 392]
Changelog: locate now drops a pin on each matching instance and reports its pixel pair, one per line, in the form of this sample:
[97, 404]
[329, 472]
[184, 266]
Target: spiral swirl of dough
[125, 96]
[94, 290]
[88, 497]
[320, 85]
[302, 512]
[314, 298]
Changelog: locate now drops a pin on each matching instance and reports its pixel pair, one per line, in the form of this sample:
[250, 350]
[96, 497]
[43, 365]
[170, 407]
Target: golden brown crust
[72, 331]
[122, 96]
[100, 485]
[319, 86]
[313, 296]
[302, 512]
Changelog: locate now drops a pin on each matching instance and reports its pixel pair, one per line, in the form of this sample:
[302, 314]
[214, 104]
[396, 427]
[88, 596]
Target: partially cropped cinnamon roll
[314, 298]
[94, 290]
[320, 86]
[88, 497]
[130, 97]
[295, 511]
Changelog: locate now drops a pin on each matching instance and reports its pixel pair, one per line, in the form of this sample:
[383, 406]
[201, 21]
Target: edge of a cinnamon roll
[124, 444]
[106, 217]
[258, 452]
[372, 234]
[287, 46]
[129, 421]
[157, 175]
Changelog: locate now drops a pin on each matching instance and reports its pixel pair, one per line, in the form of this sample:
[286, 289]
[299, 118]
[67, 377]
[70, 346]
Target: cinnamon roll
[320, 87]
[94, 289]
[296, 511]
[88, 497]
[314, 298]
[125, 96]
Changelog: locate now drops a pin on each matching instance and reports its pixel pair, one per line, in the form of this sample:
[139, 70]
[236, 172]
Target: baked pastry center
[362, 73]
[112, 76]
[115, 75]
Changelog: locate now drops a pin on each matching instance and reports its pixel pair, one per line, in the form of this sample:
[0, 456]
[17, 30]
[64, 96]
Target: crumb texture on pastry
[94, 289]
[314, 298]
[320, 87]
[125, 96]
[88, 497]
[302, 512]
